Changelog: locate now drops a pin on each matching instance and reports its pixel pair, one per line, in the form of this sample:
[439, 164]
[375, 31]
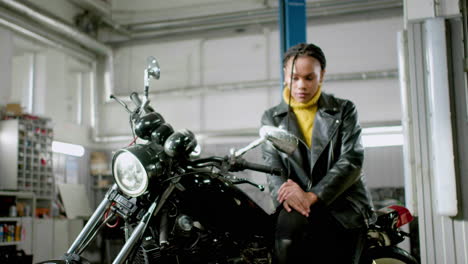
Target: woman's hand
[292, 195]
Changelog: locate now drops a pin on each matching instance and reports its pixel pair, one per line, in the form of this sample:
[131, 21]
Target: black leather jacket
[332, 167]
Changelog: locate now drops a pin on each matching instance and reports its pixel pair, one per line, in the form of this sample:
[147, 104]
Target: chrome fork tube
[141, 227]
[136, 235]
[163, 229]
[90, 227]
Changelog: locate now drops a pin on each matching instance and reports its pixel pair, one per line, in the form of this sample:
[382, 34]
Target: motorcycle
[384, 236]
[175, 207]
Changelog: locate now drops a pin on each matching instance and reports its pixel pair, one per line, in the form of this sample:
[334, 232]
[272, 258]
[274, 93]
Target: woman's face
[307, 76]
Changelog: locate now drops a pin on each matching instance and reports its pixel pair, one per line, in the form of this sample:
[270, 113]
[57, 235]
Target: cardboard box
[99, 163]
[13, 109]
[104, 184]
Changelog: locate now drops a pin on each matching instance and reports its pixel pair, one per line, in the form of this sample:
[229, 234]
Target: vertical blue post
[292, 25]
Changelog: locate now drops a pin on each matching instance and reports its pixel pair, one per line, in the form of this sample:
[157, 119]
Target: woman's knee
[290, 225]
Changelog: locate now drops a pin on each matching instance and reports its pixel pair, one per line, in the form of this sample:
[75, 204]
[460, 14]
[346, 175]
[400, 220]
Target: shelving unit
[26, 151]
[26, 167]
[26, 175]
[100, 184]
[17, 230]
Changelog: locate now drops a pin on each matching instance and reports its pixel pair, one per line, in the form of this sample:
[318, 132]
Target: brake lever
[121, 103]
[236, 180]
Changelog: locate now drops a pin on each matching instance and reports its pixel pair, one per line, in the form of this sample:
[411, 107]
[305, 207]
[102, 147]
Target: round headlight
[130, 175]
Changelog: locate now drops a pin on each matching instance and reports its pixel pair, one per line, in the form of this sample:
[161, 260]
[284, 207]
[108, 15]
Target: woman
[323, 204]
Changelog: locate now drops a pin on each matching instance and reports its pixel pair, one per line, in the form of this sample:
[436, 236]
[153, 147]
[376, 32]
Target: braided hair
[304, 49]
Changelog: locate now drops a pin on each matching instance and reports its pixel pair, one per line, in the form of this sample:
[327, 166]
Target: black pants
[316, 239]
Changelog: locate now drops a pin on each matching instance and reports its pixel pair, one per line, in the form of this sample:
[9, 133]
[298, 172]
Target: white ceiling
[129, 12]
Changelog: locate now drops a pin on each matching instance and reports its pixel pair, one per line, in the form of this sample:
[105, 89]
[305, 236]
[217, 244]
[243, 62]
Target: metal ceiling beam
[292, 24]
[103, 10]
[68, 31]
[97, 6]
[40, 34]
[315, 9]
[174, 27]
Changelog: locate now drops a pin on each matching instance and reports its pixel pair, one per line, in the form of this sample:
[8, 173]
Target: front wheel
[388, 255]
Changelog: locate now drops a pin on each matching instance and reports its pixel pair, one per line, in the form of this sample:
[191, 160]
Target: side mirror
[281, 139]
[153, 68]
[152, 71]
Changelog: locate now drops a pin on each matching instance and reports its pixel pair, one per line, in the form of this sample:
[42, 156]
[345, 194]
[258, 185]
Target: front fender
[67, 259]
[55, 262]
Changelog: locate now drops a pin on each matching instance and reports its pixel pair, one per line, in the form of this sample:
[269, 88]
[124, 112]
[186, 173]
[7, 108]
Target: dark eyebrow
[308, 74]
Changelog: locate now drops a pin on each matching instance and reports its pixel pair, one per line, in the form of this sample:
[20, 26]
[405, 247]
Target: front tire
[388, 255]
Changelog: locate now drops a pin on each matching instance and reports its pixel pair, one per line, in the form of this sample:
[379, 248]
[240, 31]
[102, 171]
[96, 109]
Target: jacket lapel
[293, 127]
[327, 120]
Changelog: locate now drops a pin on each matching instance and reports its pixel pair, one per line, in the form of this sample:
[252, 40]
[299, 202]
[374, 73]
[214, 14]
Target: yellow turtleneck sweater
[305, 113]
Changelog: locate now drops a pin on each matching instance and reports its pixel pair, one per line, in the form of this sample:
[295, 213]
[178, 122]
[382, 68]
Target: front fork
[92, 226]
[138, 232]
[96, 222]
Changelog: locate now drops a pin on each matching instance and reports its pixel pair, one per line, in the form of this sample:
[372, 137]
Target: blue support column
[292, 25]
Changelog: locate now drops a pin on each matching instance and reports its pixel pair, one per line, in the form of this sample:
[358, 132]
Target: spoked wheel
[388, 255]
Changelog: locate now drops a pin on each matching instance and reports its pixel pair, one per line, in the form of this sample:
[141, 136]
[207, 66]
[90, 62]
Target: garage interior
[403, 63]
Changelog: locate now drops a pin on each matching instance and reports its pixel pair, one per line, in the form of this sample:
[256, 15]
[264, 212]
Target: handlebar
[136, 99]
[235, 165]
[142, 106]
[208, 162]
[259, 167]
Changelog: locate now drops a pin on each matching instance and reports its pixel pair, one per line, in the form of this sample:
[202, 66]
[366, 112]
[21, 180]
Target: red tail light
[404, 215]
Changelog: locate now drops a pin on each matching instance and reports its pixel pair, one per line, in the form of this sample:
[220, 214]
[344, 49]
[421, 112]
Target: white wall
[356, 44]
[63, 100]
[360, 45]
[56, 86]
[6, 57]
[422, 9]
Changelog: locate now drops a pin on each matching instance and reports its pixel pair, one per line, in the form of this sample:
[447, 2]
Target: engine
[187, 241]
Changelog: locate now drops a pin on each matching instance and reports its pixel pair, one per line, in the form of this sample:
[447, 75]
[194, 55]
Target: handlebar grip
[135, 99]
[261, 168]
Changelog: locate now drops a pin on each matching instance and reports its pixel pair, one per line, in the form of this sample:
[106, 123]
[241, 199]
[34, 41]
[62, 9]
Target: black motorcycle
[174, 207]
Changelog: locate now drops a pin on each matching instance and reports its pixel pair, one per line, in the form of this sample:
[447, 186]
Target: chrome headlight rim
[142, 188]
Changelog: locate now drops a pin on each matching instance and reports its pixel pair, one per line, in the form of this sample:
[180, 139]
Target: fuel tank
[217, 202]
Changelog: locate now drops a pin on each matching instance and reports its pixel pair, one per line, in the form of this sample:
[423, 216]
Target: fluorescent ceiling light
[68, 149]
[372, 141]
[382, 130]
[382, 136]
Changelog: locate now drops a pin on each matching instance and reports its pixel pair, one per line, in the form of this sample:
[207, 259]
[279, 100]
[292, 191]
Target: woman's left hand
[292, 195]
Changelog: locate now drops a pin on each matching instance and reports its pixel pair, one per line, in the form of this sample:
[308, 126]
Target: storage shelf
[10, 219]
[10, 243]
[101, 188]
[28, 144]
[22, 225]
